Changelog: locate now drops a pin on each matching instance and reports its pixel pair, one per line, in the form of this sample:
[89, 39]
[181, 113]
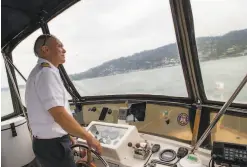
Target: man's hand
[94, 143]
[73, 140]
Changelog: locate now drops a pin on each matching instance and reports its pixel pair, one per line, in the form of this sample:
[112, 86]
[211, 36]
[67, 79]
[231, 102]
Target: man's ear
[44, 49]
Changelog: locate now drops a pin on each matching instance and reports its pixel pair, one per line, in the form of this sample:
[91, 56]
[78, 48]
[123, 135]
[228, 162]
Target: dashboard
[109, 135]
[114, 139]
[123, 146]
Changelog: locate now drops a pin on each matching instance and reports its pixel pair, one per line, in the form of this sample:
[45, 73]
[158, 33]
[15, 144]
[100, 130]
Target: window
[221, 37]
[6, 101]
[235, 128]
[121, 47]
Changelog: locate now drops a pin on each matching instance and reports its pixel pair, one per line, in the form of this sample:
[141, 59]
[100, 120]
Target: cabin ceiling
[21, 18]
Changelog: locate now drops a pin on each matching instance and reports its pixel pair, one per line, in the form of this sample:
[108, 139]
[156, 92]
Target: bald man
[49, 114]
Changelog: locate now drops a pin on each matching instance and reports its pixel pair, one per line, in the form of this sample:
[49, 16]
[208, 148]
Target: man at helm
[49, 114]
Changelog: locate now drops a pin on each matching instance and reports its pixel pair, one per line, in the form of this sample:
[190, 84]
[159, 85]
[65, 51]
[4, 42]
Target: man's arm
[68, 123]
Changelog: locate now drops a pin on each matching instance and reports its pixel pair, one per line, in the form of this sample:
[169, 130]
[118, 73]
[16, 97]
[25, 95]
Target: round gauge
[167, 155]
[121, 135]
[113, 135]
[102, 140]
[104, 133]
[115, 142]
[108, 141]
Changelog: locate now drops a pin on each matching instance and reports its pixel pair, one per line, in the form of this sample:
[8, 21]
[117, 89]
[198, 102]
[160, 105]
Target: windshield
[221, 37]
[121, 47]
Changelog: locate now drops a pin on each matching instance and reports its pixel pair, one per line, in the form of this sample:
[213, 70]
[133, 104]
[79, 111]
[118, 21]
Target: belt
[56, 138]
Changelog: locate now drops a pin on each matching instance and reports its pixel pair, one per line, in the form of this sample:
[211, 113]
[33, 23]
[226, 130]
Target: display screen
[107, 134]
[136, 112]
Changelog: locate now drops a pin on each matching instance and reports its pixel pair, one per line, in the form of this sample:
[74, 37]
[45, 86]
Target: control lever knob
[138, 145]
[109, 111]
[130, 144]
[93, 109]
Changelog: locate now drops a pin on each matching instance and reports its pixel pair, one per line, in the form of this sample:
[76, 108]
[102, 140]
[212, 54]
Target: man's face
[55, 51]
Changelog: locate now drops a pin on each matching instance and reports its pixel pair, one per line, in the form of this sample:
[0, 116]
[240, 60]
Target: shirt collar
[41, 60]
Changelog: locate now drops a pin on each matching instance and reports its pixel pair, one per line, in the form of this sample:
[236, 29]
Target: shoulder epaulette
[44, 64]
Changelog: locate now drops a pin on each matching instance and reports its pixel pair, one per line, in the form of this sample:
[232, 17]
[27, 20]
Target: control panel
[123, 146]
[228, 153]
[114, 138]
[108, 135]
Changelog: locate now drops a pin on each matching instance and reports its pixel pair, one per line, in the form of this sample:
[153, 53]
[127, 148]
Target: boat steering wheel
[86, 163]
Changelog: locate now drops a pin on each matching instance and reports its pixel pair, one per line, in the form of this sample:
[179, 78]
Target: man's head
[50, 48]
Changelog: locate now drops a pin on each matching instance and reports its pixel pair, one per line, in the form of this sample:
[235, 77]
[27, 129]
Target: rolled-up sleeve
[49, 90]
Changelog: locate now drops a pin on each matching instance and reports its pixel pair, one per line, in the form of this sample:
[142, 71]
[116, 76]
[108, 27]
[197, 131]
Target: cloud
[217, 17]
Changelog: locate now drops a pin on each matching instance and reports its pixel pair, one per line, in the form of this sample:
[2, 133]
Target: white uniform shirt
[44, 90]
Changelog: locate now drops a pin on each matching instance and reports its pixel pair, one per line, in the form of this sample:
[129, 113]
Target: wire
[148, 159]
[155, 161]
[209, 164]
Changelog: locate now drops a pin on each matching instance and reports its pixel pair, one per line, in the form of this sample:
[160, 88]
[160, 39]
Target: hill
[231, 44]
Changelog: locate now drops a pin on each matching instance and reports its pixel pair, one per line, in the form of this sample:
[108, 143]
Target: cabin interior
[194, 78]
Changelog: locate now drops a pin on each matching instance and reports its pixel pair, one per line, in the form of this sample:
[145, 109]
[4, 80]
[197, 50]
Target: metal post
[220, 113]
[43, 24]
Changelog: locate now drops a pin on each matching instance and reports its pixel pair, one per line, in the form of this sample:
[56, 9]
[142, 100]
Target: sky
[96, 31]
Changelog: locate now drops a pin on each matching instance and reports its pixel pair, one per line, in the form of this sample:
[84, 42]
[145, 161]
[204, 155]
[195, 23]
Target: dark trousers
[54, 152]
